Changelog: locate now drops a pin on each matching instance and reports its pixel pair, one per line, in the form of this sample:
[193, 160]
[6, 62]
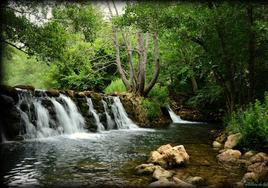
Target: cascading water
[177, 119]
[36, 119]
[91, 109]
[120, 116]
[109, 121]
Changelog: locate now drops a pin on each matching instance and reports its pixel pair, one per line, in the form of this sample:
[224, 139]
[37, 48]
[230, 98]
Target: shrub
[252, 123]
[159, 94]
[115, 86]
[151, 108]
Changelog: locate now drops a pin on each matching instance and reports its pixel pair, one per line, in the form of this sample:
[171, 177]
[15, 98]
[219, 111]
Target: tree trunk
[157, 66]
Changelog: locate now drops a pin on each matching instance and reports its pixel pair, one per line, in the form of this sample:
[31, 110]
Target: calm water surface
[107, 158]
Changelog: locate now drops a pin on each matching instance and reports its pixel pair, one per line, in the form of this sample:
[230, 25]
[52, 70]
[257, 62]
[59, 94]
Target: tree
[136, 82]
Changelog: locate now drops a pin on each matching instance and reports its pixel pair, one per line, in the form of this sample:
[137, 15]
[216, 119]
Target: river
[108, 157]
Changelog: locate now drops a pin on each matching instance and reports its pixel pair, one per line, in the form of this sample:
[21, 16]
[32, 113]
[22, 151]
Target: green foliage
[252, 123]
[116, 85]
[152, 107]
[18, 69]
[159, 94]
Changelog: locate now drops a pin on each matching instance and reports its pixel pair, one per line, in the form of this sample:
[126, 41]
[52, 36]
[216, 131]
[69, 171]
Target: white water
[65, 120]
[42, 114]
[91, 109]
[76, 119]
[120, 116]
[177, 119]
[109, 121]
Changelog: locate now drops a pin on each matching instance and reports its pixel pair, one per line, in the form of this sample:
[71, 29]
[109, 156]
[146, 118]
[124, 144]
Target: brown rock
[229, 154]
[160, 173]
[259, 157]
[260, 169]
[196, 180]
[221, 138]
[70, 93]
[248, 154]
[250, 176]
[181, 183]
[170, 157]
[162, 149]
[216, 144]
[146, 168]
[232, 140]
[163, 182]
[52, 93]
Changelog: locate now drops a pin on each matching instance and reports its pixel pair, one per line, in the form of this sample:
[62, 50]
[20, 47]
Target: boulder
[259, 157]
[228, 155]
[181, 183]
[160, 173]
[146, 168]
[169, 156]
[216, 144]
[232, 140]
[53, 92]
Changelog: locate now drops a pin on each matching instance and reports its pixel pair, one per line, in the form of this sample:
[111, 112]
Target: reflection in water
[105, 158]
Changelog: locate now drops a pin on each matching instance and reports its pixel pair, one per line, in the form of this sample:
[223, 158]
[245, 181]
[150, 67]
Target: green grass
[115, 86]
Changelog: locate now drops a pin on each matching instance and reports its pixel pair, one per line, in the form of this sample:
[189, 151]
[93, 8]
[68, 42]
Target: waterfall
[120, 116]
[109, 121]
[91, 109]
[36, 119]
[42, 123]
[177, 119]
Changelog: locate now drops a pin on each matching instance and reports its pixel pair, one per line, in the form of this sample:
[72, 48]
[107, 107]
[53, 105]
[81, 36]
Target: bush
[115, 86]
[151, 108]
[252, 123]
[159, 94]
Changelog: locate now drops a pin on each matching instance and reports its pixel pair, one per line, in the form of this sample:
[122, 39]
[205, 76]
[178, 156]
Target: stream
[107, 157]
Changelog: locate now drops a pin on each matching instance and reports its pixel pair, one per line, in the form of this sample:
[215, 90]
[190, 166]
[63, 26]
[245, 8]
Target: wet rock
[250, 177]
[53, 93]
[27, 87]
[232, 140]
[70, 93]
[163, 182]
[181, 183]
[216, 144]
[169, 156]
[9, 91]
[199, 181]
[260, 169]
[146, 168]
[160, 173]
[228, 155]
[259, 157]
[9, 117]
[248, 154]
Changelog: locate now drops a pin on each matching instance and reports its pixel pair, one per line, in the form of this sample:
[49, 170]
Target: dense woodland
[205, 55]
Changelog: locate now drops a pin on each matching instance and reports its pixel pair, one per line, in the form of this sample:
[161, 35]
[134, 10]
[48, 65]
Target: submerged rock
[163, 182]
[232, 140]
[160, 173]
[146, 168]
[181, 183]
[199, 181]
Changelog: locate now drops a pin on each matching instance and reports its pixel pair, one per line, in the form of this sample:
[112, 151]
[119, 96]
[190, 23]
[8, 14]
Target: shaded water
[107, 158]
